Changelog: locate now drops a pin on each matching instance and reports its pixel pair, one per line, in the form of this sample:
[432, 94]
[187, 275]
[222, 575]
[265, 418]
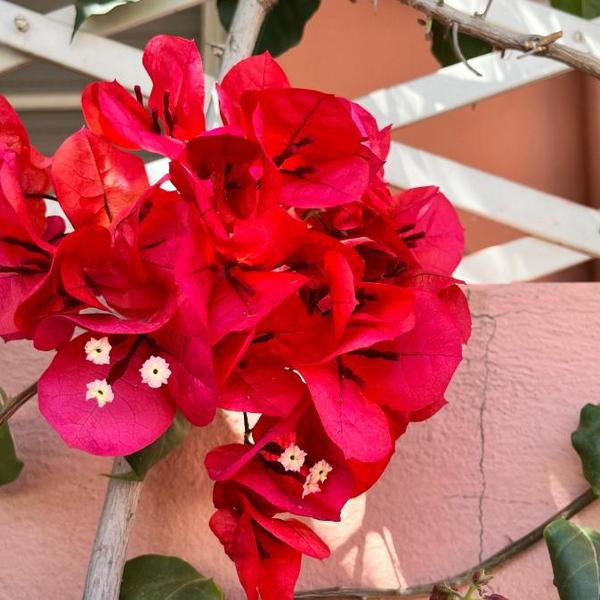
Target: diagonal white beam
[90, 54]
[534, 212]
[125, 17]
[455, 86]
[524, 259]
[32, 33]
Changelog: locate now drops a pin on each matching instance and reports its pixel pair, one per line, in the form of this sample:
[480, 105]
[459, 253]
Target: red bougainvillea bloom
[275, 276]
[267, 551]
[175, 107]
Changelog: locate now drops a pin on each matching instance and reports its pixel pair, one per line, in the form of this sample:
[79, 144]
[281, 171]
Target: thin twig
[486, 10]
[17, 402]
[487, 565]
[502, 38]
[459, 53]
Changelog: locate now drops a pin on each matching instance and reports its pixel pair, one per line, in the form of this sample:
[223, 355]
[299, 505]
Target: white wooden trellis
[559, 233]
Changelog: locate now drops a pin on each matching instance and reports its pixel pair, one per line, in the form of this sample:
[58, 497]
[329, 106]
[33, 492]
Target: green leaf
[443, 50]
[10, 465]
[283, 27]
[141, 462]
[156, 577]
[574, 553]
[586, 440]
[88, 8]
[588, 9]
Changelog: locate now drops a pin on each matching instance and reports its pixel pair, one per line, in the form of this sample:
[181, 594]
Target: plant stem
[504, 38]
[243, 33]
[17, 402]
[105, 570]
[487, 565]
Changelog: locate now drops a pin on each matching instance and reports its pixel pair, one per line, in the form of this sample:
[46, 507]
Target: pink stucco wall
[492, 465]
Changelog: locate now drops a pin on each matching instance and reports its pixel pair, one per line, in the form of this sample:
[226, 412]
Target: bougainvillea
[276, 275]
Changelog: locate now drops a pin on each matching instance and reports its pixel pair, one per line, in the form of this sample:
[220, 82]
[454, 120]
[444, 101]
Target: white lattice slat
[534, 212]
[524, 259]
[87, 53]
[456, 86]
[126, 17]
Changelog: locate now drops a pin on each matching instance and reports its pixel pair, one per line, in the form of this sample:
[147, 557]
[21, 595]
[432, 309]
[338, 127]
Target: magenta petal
[255, 73]
[195, 397]
[175, 67]
[433, 217]
[136, 417]
[358, 426]
[295, 534]
[243, 298]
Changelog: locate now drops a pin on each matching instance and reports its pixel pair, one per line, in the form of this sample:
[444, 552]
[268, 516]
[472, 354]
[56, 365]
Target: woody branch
[502, 38]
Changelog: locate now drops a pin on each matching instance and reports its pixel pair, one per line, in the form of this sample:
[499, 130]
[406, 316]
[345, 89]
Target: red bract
[96, 183]
[175, 109]
[267, 551]
[311, 137]
[279, 277]
[33, 166]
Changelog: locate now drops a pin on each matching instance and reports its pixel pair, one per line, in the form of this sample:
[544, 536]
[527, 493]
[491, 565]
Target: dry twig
[503, 38]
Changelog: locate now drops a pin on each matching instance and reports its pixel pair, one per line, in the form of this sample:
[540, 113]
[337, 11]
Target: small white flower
[98, 351]
[155, 371]
[100, 391]
[310, 486]
[292, 458]
[320, 470]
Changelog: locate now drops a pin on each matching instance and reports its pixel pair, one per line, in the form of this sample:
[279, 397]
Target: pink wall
[488, 468]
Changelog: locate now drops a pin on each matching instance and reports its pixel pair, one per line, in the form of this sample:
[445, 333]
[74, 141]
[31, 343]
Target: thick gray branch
[505, 39]
[247, 21]
[108, 555]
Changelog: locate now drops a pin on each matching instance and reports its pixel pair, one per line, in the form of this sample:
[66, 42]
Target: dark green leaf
[586, 440]
[442, 49]
[588, 9]
[283, 27]
[10, 465]
[574, 554]
[88, 8]
[155, 577]
[141, 462]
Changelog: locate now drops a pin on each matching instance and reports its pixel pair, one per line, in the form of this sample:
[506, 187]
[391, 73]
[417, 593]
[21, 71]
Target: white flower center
[320, 470]
[310, 486]
[100, 391]
[155, 371]
[292, 458]
[98, 351]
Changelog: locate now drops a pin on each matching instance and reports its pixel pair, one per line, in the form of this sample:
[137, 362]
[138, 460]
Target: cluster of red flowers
[276, 275]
